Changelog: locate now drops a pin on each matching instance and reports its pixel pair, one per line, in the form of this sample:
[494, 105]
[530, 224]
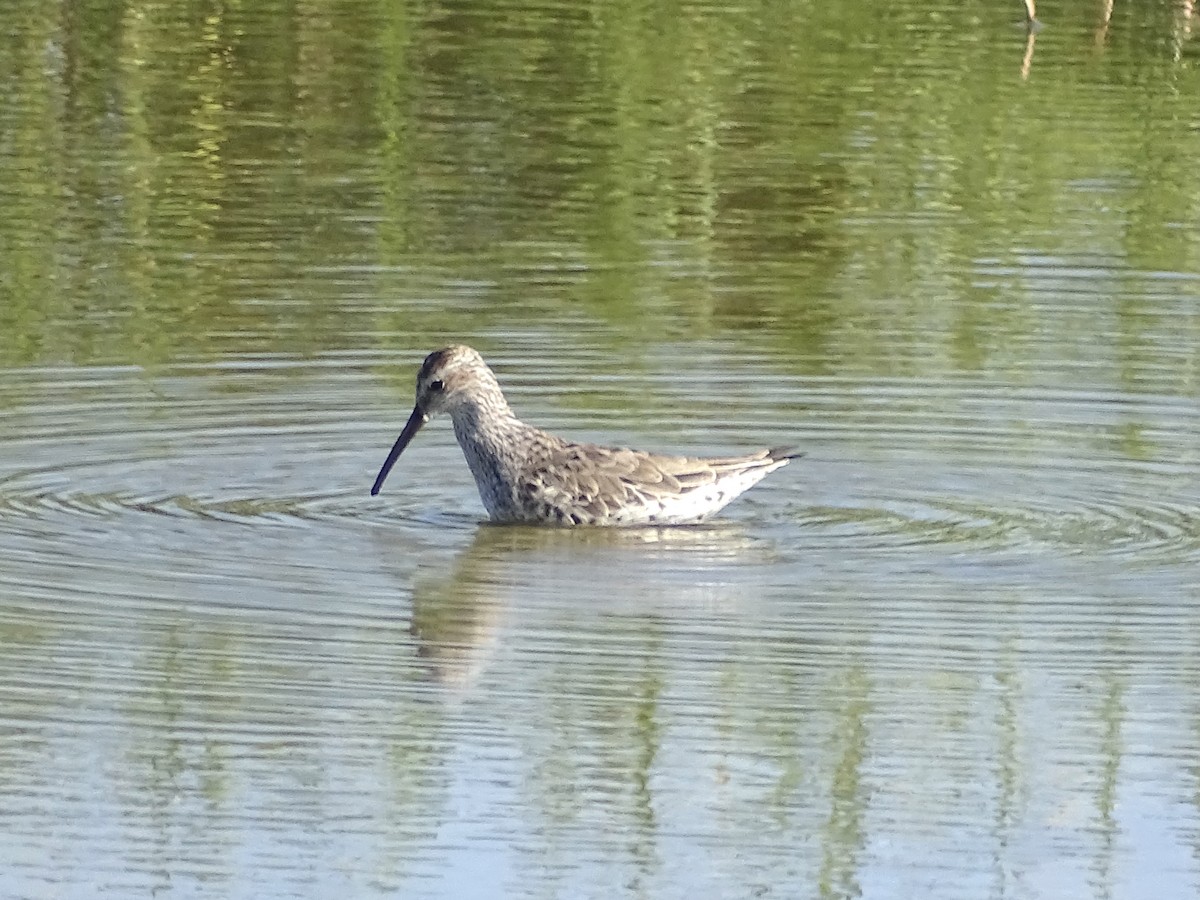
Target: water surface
[949, 653]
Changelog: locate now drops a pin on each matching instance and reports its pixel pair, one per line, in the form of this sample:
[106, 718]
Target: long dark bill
[415, 421]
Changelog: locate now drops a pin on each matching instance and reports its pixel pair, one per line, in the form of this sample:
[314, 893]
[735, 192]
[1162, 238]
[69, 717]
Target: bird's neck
[488, 430]
[494, 442]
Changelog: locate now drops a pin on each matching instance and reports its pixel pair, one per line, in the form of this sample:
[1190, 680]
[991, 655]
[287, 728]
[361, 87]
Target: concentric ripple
[187, 447]
[16, 503]
[960, 467]
[1141, 531]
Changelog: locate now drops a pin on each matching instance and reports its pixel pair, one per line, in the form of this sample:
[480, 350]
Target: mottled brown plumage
[528, 475]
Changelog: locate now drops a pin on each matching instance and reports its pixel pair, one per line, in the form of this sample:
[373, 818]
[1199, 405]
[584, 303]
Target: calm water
[951, 653]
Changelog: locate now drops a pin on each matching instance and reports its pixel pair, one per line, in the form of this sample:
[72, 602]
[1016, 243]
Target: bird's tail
[777, 454]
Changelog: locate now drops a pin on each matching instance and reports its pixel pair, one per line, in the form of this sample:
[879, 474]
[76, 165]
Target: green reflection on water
[293, 178]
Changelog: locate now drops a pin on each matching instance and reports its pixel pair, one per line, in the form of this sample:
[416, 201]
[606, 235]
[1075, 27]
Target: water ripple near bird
[999, 471]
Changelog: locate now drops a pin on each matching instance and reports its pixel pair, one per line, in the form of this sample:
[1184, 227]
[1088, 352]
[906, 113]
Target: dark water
[950, 653]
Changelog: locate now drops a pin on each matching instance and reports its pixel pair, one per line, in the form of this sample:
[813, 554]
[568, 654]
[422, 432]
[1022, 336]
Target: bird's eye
[436, 384]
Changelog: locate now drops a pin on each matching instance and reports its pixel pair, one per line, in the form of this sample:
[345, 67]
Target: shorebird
[528, 475]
